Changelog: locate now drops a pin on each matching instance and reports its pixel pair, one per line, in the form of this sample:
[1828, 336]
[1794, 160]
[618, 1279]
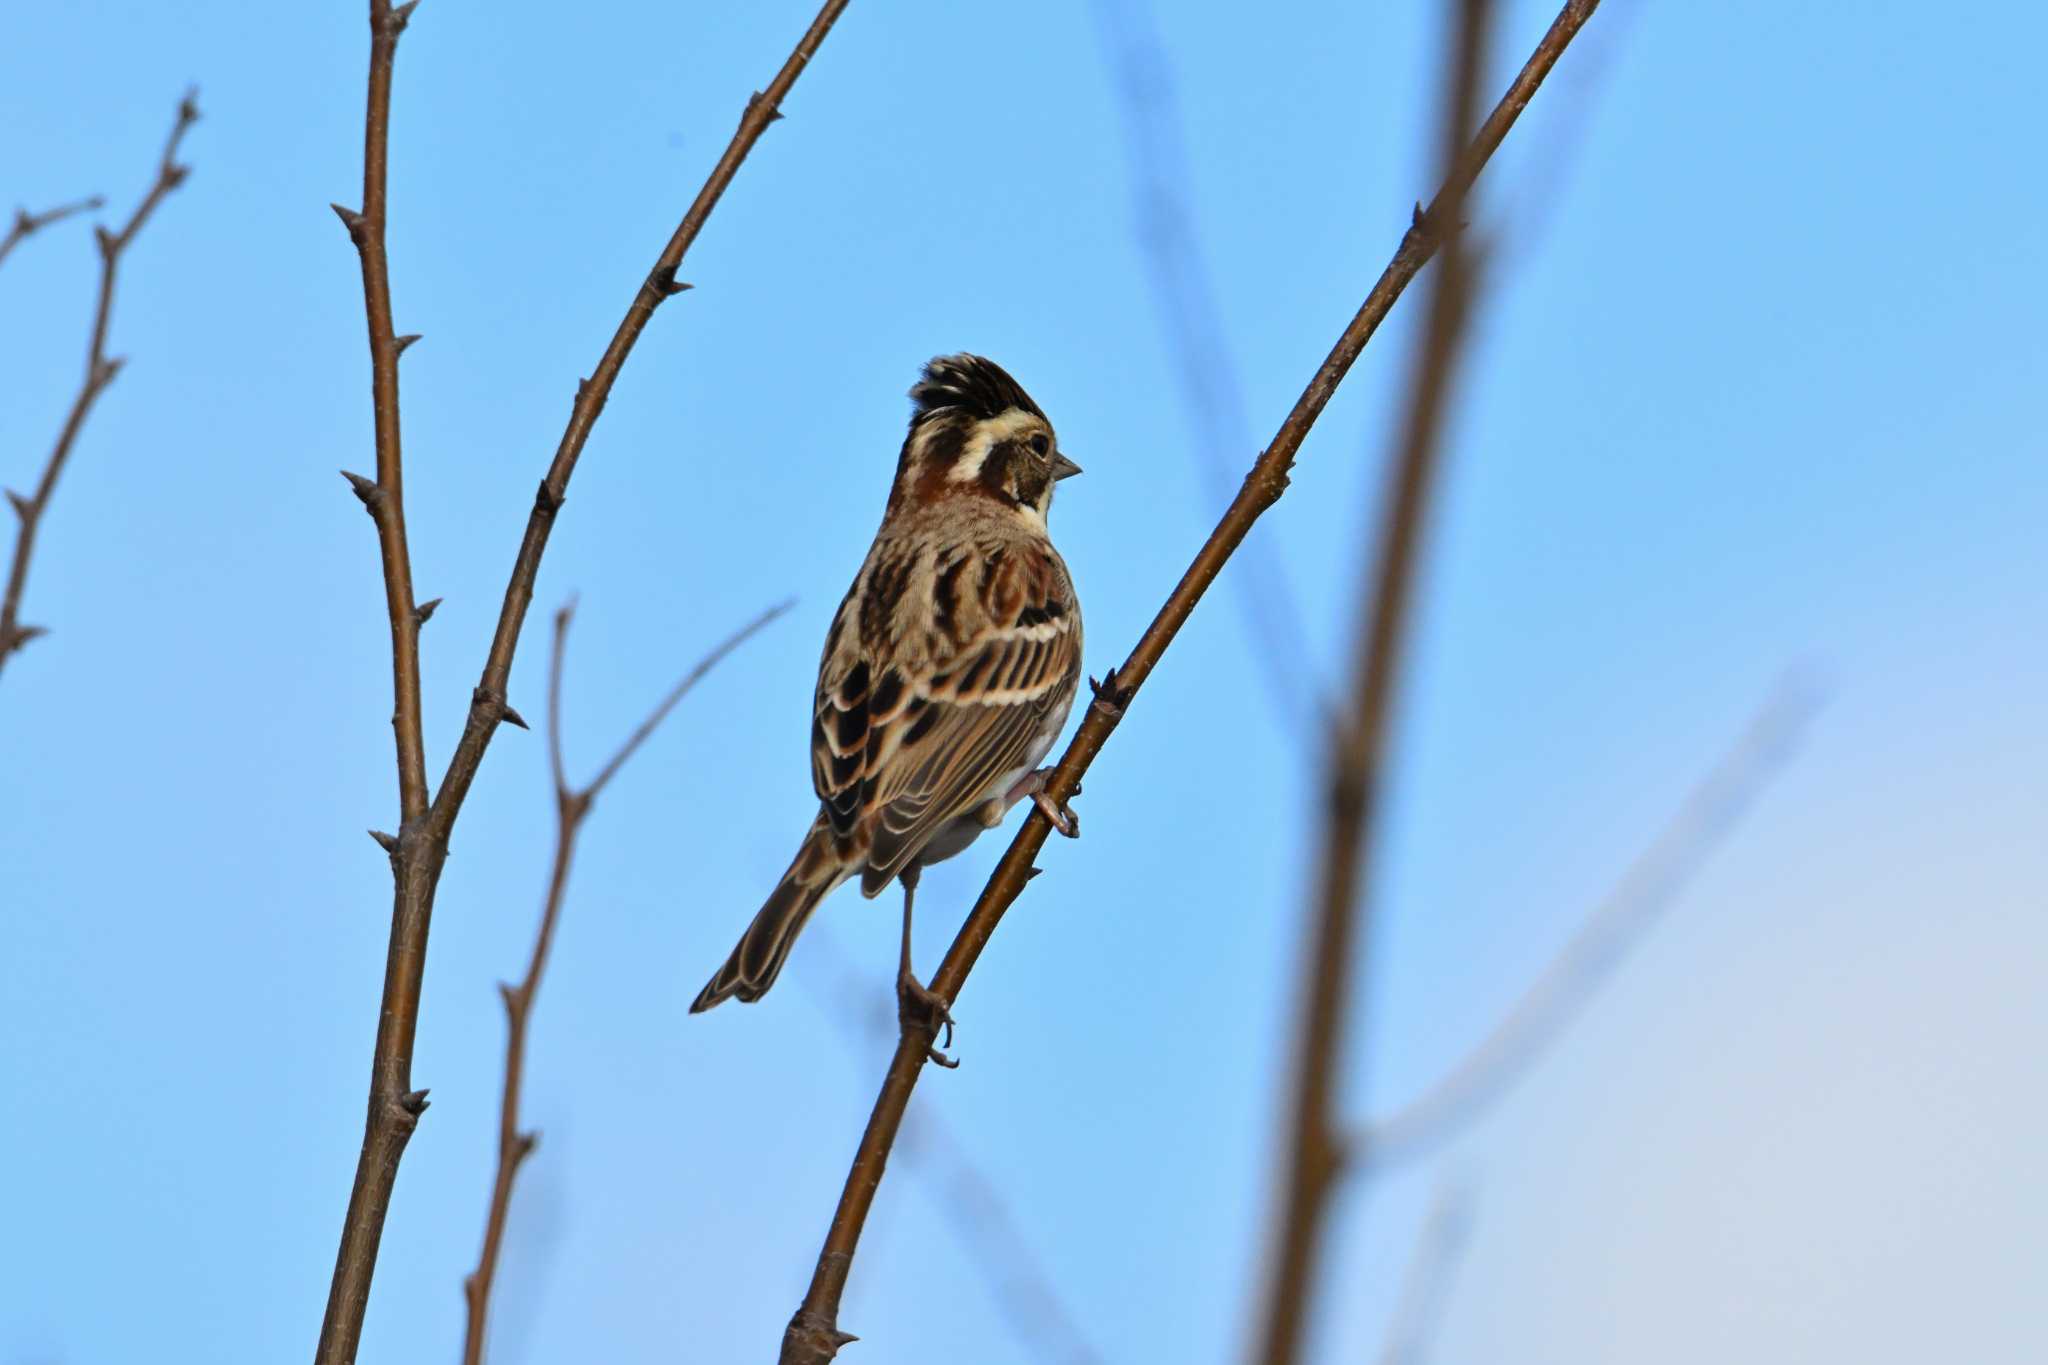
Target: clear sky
[1758, 388]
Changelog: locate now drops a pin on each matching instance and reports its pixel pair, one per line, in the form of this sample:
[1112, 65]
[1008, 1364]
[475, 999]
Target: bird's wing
[973, 719]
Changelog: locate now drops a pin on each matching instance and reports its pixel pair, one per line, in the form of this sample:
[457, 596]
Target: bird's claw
[919, 1007]
[1063, 819]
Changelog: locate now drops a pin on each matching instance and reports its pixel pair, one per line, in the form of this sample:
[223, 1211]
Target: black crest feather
[970, 384]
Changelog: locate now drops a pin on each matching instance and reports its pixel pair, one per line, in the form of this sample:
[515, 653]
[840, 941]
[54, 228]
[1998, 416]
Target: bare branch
[984, 1223]
[100, 369]
[571, 806]
[1650, 886]
[27, 224]
[762, 109]
[813, 1335]
[426, 826]
[1311, 1153]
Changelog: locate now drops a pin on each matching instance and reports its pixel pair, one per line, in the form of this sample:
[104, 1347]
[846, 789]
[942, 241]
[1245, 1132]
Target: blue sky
[1756, 389]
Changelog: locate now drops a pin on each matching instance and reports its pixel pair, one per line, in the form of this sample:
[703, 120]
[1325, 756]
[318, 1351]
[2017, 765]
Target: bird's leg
[1033, 786]
[918, 1006]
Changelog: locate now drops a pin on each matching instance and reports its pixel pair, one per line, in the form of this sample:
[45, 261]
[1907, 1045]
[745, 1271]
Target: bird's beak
[1063, 468]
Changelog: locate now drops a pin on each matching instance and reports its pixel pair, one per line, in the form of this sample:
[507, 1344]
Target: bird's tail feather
[758, 958]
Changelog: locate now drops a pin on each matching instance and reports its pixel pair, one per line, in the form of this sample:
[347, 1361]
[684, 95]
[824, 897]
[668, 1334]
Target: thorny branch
[813, 1335]
[420, 848]
[100, 369]
[983, 1219]
[27, 224]
[572, 805]
[1311, 1152]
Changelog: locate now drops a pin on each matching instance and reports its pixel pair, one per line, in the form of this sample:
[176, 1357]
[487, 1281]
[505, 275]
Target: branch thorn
[662, 280]
[355, 223]
[22, 507]
[402, 342]
[424, 612]
[512, 717]
[1110, 695]
[388, 843]
[366, 489]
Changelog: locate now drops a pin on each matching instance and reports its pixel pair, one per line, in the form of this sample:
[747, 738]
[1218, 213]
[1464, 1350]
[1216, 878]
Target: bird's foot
[921, 1008]
[1063, 819]
[1033, 786]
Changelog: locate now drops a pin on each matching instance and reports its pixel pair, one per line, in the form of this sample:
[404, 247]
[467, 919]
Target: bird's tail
[762, 950]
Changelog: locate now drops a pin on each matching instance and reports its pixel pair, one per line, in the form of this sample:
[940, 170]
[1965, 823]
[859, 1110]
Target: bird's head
[974, 432]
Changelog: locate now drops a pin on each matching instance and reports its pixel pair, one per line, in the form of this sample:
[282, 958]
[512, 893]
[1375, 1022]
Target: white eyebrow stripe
[987, 433]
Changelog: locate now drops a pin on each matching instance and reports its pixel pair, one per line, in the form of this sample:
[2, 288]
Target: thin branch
[488, 705]
[1653, 883]
[1311, 1152]
[571, 806]
[813, 1335]
[27, 224]
[420, 848]
[983, 1220]
[100, 369]
[1191, 324]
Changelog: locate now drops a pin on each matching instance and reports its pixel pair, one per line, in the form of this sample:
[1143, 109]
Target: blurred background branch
[1438, 1249]
[1650, 886]
[1311, 1154]
[572, 805]
[1191, 327]
[100, 368]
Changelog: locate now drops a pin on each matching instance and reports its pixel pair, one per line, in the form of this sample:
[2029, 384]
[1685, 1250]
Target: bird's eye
[1040, 446]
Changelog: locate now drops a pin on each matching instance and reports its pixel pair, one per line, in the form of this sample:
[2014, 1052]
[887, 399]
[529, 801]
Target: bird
[948, 671]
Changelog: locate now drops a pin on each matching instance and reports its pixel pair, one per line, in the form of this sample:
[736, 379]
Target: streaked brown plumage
[948, 670]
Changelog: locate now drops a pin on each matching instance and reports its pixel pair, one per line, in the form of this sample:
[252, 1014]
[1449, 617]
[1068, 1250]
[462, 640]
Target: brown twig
[100, 369]
[27, 224]
[571, 806]
[420, 848]
[1311, 1152]
[984, 1222]
[1651, 884]
[813, 1335]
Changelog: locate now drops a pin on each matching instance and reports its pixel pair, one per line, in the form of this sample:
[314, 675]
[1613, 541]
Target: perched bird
[948, 671]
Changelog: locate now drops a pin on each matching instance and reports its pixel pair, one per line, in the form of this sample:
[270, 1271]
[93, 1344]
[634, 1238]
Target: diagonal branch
[1312, 1151]
[813, 1335]
[27, 225]
[488, 707]
[420, 848]
[1649, 886]
[571, 806]
[100, 369]
[984, 1221]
